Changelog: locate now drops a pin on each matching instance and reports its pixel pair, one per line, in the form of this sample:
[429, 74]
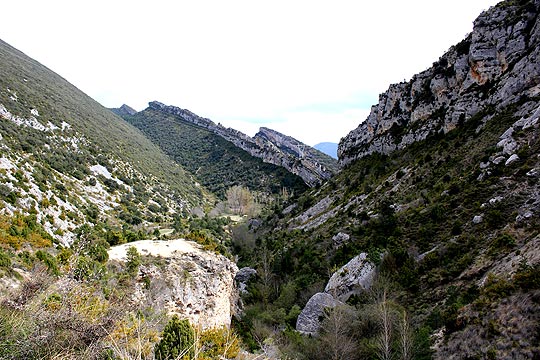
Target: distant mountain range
[329, 148]
[270, 146]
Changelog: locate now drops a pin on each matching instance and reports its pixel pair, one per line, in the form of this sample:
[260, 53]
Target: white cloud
[236, 60]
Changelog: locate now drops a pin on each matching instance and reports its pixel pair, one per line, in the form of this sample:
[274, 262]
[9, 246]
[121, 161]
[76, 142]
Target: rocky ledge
[183, 279]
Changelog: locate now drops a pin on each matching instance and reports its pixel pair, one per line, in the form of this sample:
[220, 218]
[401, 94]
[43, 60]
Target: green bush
[133, 261]
[177, 341]
[49, 261]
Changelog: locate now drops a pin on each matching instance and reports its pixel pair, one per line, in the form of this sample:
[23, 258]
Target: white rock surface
[185, 280]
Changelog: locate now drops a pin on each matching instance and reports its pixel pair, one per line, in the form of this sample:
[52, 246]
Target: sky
[307, 68]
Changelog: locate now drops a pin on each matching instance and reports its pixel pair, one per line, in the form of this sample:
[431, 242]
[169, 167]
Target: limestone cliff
[497, 65]
[271, 146]
[184, 280]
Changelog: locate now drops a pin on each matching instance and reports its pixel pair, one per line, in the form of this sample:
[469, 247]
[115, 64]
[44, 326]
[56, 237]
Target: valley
[159, 234]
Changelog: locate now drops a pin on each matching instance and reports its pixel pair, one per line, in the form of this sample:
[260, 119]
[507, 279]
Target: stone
[351, 279]
[242, 278]
[308, 322]
[512, 159]
[499, 159]
[477, 219]
[496, 67]
[339, 239]
[191, 282]
[525, 216]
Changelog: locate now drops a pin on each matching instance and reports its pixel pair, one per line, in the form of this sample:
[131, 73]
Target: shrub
[528, 277]
[5, 260]
[218, 343]
[177, 341]
[49, 261]
[133, 261]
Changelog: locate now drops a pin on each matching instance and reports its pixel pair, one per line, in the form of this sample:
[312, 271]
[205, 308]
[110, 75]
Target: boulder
[512, 159]
[353, 278]
[309, 322]
[477, 219]
[242, 278]
[185, 280]
[339, 239]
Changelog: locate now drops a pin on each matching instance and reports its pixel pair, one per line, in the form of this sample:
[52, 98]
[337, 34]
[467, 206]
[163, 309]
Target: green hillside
[57, 101]
[217, 163]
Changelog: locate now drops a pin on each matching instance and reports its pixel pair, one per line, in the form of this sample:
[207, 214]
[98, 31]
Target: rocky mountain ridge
[271, 146]
[497, 65]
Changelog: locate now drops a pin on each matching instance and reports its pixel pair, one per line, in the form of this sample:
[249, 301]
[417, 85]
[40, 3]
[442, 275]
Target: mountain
[70, 161]
[430, 229]
[272, 147]
[124, 110]
[78, 187]
[216, 162]
[484, 74]
[329, 148]
[423, 244]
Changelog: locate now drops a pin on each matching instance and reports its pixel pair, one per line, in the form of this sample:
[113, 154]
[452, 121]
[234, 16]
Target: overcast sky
[310, 69]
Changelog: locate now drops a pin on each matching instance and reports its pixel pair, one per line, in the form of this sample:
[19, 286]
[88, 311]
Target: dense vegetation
[25, 85]
[217, 163]
[415, 223]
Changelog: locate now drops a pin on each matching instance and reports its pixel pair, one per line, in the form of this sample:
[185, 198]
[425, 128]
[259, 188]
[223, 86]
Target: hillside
[431, 228]
[272, 147]
[423, 244]
[69, 161]
[217, 163]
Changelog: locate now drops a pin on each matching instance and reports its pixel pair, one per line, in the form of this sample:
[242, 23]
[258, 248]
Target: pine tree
[177, 341]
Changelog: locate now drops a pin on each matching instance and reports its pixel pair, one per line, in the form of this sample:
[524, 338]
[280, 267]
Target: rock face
[353, 278]
[497, 65]
[185, 280]
[271, 146]
[308, 322]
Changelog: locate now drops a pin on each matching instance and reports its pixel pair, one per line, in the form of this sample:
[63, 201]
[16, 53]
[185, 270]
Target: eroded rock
[308, 322]
[353, 278]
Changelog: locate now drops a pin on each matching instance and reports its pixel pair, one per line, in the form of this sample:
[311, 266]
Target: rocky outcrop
[271, 146]
[242, 278]
[309, 320]
[124, 110]
[353, 278]
[497, 65]
[184, 280]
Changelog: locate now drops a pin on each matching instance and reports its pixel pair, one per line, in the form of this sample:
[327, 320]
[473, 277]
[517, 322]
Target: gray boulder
[243, 276]
[353, 278]
[308, 322]
[339, 239]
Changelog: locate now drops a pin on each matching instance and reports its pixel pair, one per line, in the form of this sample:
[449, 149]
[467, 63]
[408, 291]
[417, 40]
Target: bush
[49, 261]
[218, 343]
[177, 341]
[5, 260]
[133, 261]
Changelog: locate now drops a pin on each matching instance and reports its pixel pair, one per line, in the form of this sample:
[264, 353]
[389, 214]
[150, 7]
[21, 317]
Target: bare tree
[337, 343]
[239, 199]
[405, 337]
[385, 317]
